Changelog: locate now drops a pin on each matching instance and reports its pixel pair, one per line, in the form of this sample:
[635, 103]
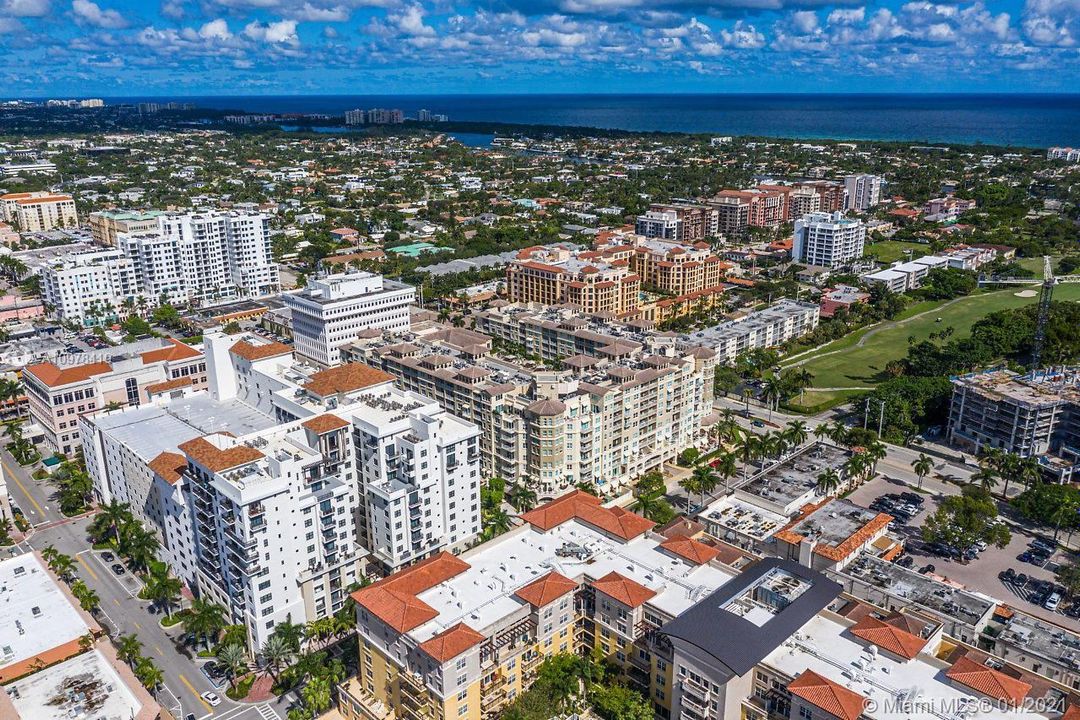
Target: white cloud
[805, 21]
[282, 32]
[742, 36]
[25, 8]
[216, 30]
[93, 14]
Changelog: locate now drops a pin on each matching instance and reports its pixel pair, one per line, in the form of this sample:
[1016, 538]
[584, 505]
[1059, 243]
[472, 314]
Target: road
[122, 612]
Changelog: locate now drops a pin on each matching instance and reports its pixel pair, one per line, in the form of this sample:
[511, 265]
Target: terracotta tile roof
[830, 696]
[175, 351]
[841, 550]
[891, 637]
[1071, 713]
[54, 376]
[324, 423]
[346, 378]
[988, 681]
[451, 642]
[393, 600]
[544, 590]
[689, 549]
[623, 589]
[252, 352]
[168, 465]
[168, 385]
[582, 506]
[216, 459]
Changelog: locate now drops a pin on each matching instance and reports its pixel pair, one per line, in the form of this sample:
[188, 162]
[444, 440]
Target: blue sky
[234, 47]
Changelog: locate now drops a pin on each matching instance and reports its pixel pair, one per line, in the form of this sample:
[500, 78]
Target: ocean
[1018, 120]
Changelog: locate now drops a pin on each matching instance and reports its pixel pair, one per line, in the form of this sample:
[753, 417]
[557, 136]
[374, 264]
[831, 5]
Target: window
[806, 713]
[462, 679]
[460, 665]
[464, 694]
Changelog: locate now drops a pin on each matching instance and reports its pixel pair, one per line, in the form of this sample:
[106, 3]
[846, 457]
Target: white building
[828, 239]
[354, 117]
[36, 166]
[89, 286]
[861, 192]
[1067, 154]
[332, 310]
[658, 224]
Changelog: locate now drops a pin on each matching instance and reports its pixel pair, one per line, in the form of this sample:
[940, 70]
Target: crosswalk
[245, 712]
[267, 712]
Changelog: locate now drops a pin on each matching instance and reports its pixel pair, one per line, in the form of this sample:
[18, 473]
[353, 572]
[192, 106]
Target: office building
[106, 224]
[23, 168]
[862, 192]
[332, 310]
[1034, 415]
[828, 240]
[621, 405]
[38, 211]
[59, 394]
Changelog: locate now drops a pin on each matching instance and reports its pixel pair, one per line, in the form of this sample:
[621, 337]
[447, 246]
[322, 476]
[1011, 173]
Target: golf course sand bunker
[1026, 293]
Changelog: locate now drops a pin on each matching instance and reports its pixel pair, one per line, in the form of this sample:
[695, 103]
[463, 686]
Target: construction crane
[1046, 295]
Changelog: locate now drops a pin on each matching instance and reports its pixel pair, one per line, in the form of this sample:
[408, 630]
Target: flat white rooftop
[86, 687]
[736, 515]
[35, 615]
[484, 594]
[822, 646]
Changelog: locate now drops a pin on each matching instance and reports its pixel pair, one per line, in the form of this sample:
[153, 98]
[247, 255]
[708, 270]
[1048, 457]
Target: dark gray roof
[738, 643]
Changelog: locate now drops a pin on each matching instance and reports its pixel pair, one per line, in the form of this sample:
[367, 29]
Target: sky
[114, 48]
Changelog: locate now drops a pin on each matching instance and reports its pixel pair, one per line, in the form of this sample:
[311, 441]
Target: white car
[1052, 602]
[211, 698]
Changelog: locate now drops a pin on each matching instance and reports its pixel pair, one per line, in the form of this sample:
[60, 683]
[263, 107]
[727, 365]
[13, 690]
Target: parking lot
[982, 573]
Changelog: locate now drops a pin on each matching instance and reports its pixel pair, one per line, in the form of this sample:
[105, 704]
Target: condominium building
[618, 408]
[332, 310]
[781, 322]
[862, 192]
[38, 211]
[828, 240]
[1067, 154]
[1035, 415]
[106, 224]
[678, 221]
[804, 201]
[59, 394]
[672, 267]
[554, 275]
[830, 195]
[732, 214]
[354, 117]
[384, 116]
[766, 206]
[89, 287]
[266, 487]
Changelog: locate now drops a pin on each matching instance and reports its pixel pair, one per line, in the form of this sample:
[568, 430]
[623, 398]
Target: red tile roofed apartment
[251, 352]
[393, 600]
[345, 379]
[628, 592]
[169, 466]
[988, 681]
[325, 423]
[546, 589]
[830, 696]
[451, 642]
[216, 459]
[689, 549]
[54, 376]
[889, 636]
[175, 351]
[582, 506]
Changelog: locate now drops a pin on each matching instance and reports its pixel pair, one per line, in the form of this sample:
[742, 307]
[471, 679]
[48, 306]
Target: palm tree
[88, 599]
[276, 654]
[204, 620]
[316, 696]
[129, 648]
[234, 659]
[726, 467]
[48, 553]
[855, 467]
[772, 389]
[522, 497]
[149, 674]
[497, 521]
[63, 566]
[827, 481]
[140, 546]
[922, 467]
[748, 449]
[874, 453]
[691, 484]
[291, 634]
[838, 432]
[110, 519]
[162, 588]
[797, 432]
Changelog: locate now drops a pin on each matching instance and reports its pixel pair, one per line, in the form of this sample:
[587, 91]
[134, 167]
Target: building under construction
[1034, 415]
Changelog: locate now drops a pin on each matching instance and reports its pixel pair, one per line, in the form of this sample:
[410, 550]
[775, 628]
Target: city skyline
[121, 47]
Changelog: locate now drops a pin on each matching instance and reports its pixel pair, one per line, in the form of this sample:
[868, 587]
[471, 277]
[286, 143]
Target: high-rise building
[106, 224]
[766, 206]
[1067, 154]
[423, 115]
[554, 275]
[678, 221]
[828, 240]
[332, 310]
[830, 195]
[38, 211]
[732, 214]
[89, 287]
[384, 116]
[804, 201]
[354, 117]
[862, 192]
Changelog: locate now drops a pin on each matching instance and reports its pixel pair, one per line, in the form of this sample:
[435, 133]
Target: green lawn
[1035, 264]
[860, 366]
[888, 251]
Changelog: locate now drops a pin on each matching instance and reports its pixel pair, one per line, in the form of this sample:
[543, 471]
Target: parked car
[1007, 575]
[1021, 579]
[928, 568]
[757, 423]
[118, 569]
[211, 698]
[1044, 546]
[913, 498]
[906, 562]
[1051, 603]
[107, 556]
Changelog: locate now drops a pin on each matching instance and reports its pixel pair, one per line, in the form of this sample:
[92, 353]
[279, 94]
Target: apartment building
[461, 637]
[830, 195]
[777, 324]
[862, 192]
[946, 209]
[105, 225]
[1034, 415]
[672, 267]
[828, 240]
[554, 275]
[332, 310]
[1067, 154]
[59, 394]
[766, 206]
[602, 419]
[89, 287]
[732, 214]
[804, 201]
[678, 221]
[38, 211]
